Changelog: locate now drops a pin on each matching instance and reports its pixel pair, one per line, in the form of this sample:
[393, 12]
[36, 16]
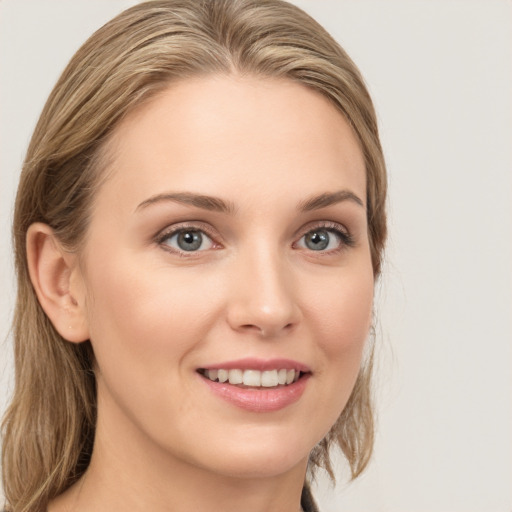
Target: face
[229, 241]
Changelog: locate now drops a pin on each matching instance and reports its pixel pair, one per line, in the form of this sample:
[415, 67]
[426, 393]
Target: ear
[58, 282]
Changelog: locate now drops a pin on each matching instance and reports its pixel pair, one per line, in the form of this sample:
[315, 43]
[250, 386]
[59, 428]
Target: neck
[128, 473]
[103, 489]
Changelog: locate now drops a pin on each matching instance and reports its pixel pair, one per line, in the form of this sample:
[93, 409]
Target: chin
[260, 466]
[262, 453]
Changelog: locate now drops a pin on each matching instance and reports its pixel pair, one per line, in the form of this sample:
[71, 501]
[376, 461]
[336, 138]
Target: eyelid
[347, 239]
[173, 229]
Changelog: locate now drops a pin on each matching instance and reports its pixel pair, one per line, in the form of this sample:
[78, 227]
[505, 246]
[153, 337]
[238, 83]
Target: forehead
[243, 133]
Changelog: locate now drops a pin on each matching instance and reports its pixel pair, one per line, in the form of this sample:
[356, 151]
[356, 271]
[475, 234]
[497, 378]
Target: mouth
[251, 378]
[257, 386]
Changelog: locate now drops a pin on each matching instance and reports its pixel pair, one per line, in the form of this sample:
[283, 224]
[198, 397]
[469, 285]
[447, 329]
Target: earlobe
[56, 278]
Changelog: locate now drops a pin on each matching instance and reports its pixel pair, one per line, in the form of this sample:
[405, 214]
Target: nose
[263, 298]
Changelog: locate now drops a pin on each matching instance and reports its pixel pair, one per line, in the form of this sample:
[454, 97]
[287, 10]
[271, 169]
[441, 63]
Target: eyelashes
[189, 239]
[185, 239]
[327, 237]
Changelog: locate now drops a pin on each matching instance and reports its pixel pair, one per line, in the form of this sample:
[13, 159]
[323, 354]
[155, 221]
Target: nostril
[251, 327]
[269, 331]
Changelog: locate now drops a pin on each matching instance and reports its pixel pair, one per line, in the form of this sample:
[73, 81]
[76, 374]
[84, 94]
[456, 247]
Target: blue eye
[323, 239]
[188, 240]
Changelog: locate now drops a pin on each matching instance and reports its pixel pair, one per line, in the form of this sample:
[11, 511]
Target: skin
[155, 315]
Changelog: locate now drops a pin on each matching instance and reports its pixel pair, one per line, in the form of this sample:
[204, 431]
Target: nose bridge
[264, 298]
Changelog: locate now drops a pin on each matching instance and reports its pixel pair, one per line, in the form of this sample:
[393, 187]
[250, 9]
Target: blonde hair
[48, 430]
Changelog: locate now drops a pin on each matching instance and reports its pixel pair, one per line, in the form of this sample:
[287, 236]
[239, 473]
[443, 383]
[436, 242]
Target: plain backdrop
[440, 72]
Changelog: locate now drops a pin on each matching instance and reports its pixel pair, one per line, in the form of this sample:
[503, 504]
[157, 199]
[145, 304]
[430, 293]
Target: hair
[48, 429]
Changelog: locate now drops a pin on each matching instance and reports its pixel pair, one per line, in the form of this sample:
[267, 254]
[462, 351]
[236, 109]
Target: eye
[188, 240]
[325, 239]
[320, 240]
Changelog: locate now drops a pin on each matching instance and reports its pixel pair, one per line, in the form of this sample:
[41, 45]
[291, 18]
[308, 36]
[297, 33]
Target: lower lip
[259, 399]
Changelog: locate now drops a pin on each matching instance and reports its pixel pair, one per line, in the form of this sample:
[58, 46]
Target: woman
[199, 226]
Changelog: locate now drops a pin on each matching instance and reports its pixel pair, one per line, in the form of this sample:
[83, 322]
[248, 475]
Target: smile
[258, 386]
[253, 378]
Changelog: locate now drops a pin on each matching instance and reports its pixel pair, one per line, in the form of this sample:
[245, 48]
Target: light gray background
[440, 72]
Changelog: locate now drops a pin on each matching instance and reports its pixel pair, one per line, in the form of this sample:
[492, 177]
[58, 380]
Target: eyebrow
[199, 201]
[216, 204]
[328, 199]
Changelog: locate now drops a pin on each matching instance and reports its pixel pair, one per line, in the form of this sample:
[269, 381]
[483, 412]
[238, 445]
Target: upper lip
[258, 364]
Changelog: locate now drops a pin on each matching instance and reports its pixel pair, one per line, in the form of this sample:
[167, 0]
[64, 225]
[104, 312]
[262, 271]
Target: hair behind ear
[46, 448]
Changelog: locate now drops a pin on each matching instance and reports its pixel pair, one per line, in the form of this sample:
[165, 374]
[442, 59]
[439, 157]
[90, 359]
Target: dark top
[306, 501]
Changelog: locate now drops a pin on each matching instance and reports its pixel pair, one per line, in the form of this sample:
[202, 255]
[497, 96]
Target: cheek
[344, 314]
[343, 308]
[144, 313]
[351, 318]
[145, 321]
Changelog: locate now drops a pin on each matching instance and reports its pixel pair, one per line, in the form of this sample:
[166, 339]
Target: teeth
[269, 379]
[254, 378]
[236, 377]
